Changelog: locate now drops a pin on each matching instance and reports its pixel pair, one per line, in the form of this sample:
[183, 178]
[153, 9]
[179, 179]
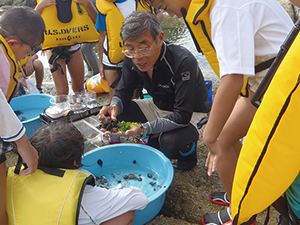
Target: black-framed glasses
[34, 48]
[143, 51]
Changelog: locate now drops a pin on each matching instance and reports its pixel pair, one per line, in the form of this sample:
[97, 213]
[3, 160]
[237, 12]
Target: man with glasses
[21, 32]
[171, 75]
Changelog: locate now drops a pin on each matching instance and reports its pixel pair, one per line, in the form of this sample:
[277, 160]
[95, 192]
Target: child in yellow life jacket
[109, 22]
[21, 33]
[235, 37]
[60, 146]
[64, 51]
[31, 64]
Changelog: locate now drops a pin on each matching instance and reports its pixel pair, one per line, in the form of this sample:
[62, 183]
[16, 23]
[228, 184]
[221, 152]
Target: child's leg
[60, 79]
[235, 128]
[39, 72]
[76, 69]
[110, 76]
[3, 215]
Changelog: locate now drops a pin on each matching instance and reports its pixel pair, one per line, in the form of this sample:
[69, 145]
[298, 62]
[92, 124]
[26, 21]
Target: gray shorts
[152, 112]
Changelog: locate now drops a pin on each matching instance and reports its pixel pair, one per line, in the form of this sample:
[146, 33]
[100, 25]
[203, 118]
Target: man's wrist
[144, 130]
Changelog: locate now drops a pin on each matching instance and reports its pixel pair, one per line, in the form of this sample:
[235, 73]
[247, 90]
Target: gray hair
[139, 22]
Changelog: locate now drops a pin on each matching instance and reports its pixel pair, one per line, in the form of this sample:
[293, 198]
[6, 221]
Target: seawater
[175, 31]
[30, 113]
[112, 177]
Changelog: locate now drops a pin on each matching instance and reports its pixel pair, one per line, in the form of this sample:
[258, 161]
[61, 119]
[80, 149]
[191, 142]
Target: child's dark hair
[25, 23]
[59, 144]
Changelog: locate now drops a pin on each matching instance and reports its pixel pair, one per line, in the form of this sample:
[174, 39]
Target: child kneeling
[68, 192]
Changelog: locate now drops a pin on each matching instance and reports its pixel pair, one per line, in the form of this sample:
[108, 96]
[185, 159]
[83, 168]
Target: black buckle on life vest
[19, 165]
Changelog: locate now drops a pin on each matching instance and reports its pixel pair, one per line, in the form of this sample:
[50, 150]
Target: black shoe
[187, 162]
[217, 218]
[223, 217]
[219, 198]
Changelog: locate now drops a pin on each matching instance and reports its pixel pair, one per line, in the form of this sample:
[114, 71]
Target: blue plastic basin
[140, 160]
[28, 109]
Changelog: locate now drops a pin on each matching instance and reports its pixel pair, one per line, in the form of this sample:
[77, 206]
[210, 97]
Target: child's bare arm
[296, 2]
[101, 51]
[29, 155]
[160, 16]
[224, 101]
[29, 68]
[43, 4]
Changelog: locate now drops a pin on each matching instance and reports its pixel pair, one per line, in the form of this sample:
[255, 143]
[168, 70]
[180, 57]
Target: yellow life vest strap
[197, 19]
[198, 22]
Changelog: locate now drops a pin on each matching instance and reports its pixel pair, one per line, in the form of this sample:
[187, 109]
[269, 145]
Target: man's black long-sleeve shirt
[177, 85]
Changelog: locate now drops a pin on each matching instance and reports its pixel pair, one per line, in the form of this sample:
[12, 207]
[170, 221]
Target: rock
[30, 3]
[292, 10]
[6, 3]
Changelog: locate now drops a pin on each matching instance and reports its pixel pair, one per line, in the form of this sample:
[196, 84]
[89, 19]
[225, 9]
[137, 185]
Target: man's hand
[108, 113]
[102, 72]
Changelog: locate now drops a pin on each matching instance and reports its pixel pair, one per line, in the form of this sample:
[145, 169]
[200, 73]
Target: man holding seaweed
[171, 75]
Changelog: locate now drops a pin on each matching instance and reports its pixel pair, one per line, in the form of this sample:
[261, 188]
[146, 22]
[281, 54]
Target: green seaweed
[123, 126]
[114, 126]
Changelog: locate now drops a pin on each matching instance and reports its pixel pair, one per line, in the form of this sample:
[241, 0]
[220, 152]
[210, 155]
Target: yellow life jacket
[269, 160]
[50, 197]
[198, 22]
[23, 62]
[13, 68]
[114, 20]
[80, 29]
